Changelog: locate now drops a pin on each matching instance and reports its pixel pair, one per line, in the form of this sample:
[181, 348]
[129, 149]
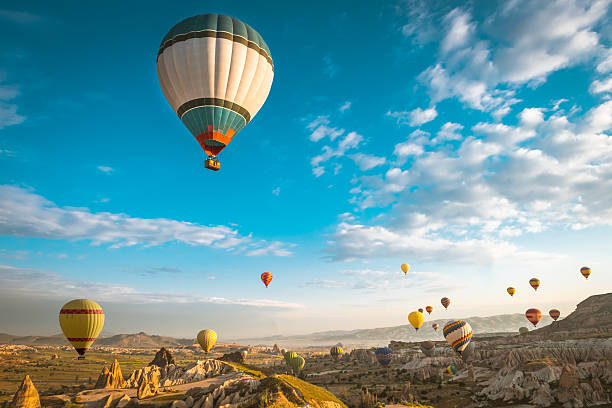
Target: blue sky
[470, 140]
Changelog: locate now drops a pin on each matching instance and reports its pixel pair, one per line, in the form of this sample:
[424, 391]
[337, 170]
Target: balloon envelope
[535, 283]
[523, 330]
[384, 355]
[429, 309]
[451, 370]
[435, 326]
[81, 321]
[216, 73]
[445, 302]
[458, 334]
[428, 348]
[207, 339]
[296, 363]
[336, 352]
[468, 351]
[511, 291]
[405, 268]
[416, 319]
[554, 313]
[266, 278]
[533, 315]
[585, 271]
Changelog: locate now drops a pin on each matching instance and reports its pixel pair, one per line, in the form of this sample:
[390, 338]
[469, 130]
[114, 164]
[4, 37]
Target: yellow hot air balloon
[207, 339]
[416, 319]
[585, 271]
[405, 268]
[511, 291]
[81, 321]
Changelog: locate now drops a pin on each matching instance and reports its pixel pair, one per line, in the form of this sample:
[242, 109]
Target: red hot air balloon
[585, 271]
[554, 313]
[429, 309]
[535, 283]
[533, 315]
[266, 278]
[421, 310]
[445, 302]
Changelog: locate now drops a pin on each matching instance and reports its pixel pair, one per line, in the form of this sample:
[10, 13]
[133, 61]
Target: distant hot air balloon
[244, 354]
[458, 334]
[215, 72]
[511, 291]
[405, 268]
[384, 355]
[428, 348]
[554, 313]
[535, 283]
[429, 309]
[445, 302]
[585, 271]
[420, 310]
[296, 363]
[533, 315]
[266, 278]
[336, 352]
[289, 355]
[451, 370]
[416, 319]
[81, 321]
[435, 326]
[523, 330]
[207, 339]
[468, 351]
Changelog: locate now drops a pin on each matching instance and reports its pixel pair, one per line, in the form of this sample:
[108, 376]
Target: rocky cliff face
[593, 314]
[26, 396]
[162, 358]
[111, 378]
[235, 357]
[174, 375]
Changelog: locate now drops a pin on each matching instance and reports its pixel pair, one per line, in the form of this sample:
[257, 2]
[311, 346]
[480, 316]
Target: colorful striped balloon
[458, 334]
[511, 291]
[435, 326]
[336, 352]
[535, 283]
[266, 278]
[81, 321]
[554, 313]
[429, 309]
[585, 271]
[533, 315]
[296, 363]
[451, 370]
[445, 302]
[384, 355]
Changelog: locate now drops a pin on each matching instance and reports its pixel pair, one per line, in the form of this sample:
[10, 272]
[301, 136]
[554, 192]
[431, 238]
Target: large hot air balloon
[429, 309]
[458, 334]
[523, 330]
[511, 291]
[289, 355]
[420, 310]
[445, 302]
[384, 355]
[405, 268]
[585, 271]
[215, 72]
[435, 326]
[207, 339]
[535, 283]
[416, 319]
[451, 370]
[296, 363]
[428, 348]
[81, 321]
[336, 352]
[266, 278]
[533, 315]
[554, 313]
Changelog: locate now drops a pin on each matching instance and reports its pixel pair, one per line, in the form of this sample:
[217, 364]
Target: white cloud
[276, 191]
[604, 86]
[367, 161]
[449, 131]
[460, 30]
[26, 214]
[106, 169]
[272, 249]
[415, 117]
[45, 284]
[320, 129]
[346, 106]
[348, 142]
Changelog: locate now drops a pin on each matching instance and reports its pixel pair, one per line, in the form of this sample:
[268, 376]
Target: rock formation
[162, 358]
[364, 356]
[26, 396]
[111, 378]
[173, 375]
[148, 384]
[236, 357]
[276, 349]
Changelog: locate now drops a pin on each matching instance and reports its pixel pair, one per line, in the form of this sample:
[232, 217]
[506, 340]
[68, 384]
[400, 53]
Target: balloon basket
[212, 163]
[81, 358]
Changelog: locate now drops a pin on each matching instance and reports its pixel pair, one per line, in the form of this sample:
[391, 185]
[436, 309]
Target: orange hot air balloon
[445, 302]
[429, 309]
[535, 283]
[533, 315]
[511, 291]
[554, 313]
[585, 271]
[266, 278]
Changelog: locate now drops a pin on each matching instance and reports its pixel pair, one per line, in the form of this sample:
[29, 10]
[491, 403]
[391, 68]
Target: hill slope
[592, 314]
